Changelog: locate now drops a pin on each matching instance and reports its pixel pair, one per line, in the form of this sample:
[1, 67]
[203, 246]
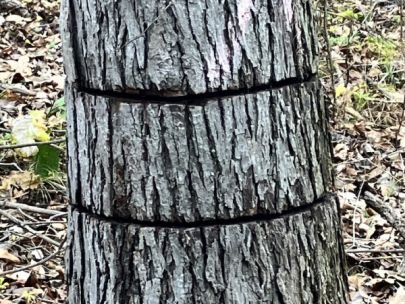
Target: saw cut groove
[328, 198]
[167, 97]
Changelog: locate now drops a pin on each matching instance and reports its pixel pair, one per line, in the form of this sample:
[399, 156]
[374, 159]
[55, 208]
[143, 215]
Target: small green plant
[3, 284]
[46, 161]
[360, 96]
[339, 40]
[58, 106]
[5, 138]
[53, 44]
[390, 188]
[396, 19]
[386, 49]
[351, 15]
[390, 72]
[28, 296]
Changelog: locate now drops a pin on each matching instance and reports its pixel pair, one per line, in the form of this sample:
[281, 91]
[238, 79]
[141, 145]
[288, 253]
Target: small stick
[45, 223]
[329, 57]
[401, 16]
[375, 251]
[382, 258]
[32, 209]
[12, 165]
[38, 143]
[28, 228]
[16, 89]
[58, 250]
[400, 123]
[387, 212]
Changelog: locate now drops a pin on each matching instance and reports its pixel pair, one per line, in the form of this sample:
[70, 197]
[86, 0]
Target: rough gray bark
[198, 154]
[289, 260]
[251, 154]
[193, 46]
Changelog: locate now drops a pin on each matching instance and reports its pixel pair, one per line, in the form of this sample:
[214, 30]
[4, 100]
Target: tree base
[290, 258]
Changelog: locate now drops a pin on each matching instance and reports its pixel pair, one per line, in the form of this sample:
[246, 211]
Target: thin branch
[58, 250]
[401, 119]
[354, 215]
[28, 228]
[46, 223]
[395, 220]
[329, 57]
[401, 16]
[11, 165]
[38, 143]
[16, 89]
[32, 209]
[383, 258]
[375, 251]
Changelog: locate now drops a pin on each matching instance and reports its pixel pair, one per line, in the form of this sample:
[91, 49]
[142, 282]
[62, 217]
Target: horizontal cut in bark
[288, 260]
[238, 156]
[189, 47]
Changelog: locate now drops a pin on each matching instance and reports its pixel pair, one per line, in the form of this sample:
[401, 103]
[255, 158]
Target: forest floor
[367, 101]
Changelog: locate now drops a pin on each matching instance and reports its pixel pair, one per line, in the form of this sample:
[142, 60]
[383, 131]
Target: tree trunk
[199, 160]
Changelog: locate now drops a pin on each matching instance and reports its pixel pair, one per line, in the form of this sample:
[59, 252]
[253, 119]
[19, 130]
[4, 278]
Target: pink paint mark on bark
[288, 10]
[244, 15]
[213, 70]
[223, 56]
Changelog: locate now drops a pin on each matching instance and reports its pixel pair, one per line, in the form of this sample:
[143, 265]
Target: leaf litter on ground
[32, 180]
[368, 61]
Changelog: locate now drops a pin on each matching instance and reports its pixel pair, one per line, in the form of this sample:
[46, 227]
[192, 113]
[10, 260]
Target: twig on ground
[394, 219]
[400, 123]
[354, 216]
[28, 228]
[58, 250]
[12, 165]
[38, 143]
[33, 219]
[32, 209]
[401, 20]
[16, 89]
[383, 258]
[46, 223]
[375, 251]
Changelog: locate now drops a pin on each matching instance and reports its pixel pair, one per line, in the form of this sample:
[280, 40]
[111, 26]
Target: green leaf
[60, 103]
[58, 106]
[47, 161]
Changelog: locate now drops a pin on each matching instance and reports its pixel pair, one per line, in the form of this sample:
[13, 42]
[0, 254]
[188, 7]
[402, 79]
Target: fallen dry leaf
[399, 297]
[24, 180]
[7, 256]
